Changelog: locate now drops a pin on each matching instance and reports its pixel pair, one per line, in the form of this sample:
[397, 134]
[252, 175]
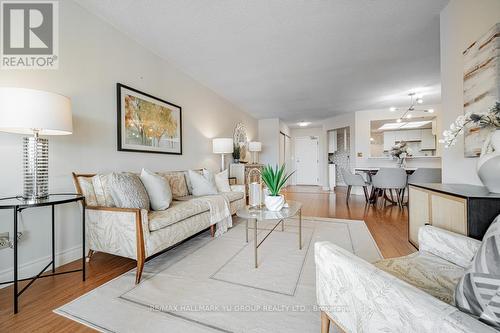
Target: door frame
[312, 137]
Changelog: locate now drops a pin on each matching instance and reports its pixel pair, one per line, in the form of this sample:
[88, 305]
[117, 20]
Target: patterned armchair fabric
[360, 297]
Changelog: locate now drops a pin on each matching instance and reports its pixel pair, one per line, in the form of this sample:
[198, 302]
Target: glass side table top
[55, 198]
[262, 213]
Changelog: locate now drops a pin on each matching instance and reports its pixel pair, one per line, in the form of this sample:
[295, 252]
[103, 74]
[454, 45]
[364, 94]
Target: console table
[461, 208]
[18, 204]
[240, 172]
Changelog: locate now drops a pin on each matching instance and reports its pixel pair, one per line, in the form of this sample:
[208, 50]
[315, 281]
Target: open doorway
[339, 154]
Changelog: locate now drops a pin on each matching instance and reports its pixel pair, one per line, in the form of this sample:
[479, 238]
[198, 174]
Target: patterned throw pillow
[478, 291]
[88, 190]
[102, 190]
[177, 183]
[128, 191]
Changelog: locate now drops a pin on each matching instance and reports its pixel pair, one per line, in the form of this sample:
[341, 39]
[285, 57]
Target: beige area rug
[211, 285]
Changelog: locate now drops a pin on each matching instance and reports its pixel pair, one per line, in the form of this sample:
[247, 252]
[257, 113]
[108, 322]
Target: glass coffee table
[261, 214]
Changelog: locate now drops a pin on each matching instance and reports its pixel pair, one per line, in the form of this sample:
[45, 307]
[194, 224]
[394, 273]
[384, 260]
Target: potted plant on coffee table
[275, 179]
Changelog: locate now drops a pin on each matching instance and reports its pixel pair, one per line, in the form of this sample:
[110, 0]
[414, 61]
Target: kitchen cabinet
[389, 140]
[332, 141]
[413, 135]
[428, 140]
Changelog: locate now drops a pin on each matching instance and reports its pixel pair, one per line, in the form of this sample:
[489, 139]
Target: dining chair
[351, 180]
[389, 179]
[425, 175]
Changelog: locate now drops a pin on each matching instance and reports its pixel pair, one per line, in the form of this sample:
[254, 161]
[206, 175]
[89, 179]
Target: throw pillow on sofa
[177, 182]
[158, 189]
[102, 190]
[222, 181]
[128, 191]
[202, 184]
[478, 291]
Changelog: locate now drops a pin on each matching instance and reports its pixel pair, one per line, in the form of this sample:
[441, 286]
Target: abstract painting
[148, 124]
[481, 84]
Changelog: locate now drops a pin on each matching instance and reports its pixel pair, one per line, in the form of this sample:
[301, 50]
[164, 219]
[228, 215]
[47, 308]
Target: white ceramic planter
[274, 203]
[488, 165]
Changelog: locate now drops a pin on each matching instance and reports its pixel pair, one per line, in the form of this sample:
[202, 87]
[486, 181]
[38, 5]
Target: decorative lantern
[254, 188]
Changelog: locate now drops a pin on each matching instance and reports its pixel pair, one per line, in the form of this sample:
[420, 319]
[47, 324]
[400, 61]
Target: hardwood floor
[388, 226]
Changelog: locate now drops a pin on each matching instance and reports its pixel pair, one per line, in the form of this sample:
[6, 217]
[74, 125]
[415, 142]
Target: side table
[18, 204]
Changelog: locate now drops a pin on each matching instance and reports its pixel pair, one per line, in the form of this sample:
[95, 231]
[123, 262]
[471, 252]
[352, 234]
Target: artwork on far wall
[148, 124]
[240, 138]
[481, 84]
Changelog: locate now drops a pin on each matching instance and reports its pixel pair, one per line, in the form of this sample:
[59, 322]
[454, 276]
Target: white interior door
[306, 161]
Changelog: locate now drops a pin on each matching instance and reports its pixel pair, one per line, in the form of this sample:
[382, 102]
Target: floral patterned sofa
[139, 234]
[407, 294]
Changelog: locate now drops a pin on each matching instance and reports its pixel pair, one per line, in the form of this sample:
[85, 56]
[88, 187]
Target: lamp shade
[25, 110]
[222, 146]
[254, 146]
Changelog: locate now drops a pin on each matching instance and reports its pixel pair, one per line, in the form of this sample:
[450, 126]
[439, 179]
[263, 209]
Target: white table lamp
[255, 147]
[35, 112]
[222, 146]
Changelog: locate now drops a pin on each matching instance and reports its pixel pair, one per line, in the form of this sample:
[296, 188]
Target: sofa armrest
[238, 188]
[359, 297]
[456, 248]
[119, 231]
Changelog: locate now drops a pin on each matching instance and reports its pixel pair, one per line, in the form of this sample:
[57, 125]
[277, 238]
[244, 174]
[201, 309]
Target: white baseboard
[33, 267]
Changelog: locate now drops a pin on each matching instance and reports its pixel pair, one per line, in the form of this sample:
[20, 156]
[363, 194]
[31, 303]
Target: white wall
[269, 130]
[462, 22]
[93, 58]
[362, 134]
[323, 150]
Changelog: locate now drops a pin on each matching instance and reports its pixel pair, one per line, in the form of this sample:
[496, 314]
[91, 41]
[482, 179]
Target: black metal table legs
[83, 242]
[17, 293]
[15, 261]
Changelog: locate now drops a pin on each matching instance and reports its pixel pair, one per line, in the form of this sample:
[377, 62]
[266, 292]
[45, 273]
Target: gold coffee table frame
[257, 215]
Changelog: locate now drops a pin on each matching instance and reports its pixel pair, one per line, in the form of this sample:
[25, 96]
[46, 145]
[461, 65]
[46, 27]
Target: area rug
[211, 285]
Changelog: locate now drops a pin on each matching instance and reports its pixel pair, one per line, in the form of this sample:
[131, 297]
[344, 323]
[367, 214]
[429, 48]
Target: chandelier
[415, 100]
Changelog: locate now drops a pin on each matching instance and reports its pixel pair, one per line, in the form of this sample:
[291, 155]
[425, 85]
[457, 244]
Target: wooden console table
[240, 172]
[464, 209]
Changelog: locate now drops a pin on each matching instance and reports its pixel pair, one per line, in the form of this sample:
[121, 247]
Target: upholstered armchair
[407, 294]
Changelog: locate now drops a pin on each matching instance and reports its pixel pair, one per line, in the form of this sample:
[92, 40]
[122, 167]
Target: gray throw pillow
[128, 191]
[478, 291]
[202, 184]
[158, 188]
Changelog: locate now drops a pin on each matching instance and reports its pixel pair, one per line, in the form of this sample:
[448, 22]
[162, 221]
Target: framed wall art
[147, 124]
[481, 85]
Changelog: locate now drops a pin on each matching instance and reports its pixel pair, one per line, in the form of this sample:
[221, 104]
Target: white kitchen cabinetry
[389, 140]
[413, 135]
[332, 142]
[428, 140]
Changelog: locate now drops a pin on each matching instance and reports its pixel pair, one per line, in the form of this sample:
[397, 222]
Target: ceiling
[293, 59]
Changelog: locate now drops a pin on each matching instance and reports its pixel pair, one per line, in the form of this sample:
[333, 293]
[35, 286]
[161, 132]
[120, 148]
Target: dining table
[371, 171]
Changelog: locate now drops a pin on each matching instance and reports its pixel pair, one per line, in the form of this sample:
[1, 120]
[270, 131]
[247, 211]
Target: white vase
[274, 203]
[488, 165]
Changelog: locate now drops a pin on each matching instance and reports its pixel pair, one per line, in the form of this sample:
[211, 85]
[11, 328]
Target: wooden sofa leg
[138, 273]
[89, 255]
[325, 323]
[212, 230]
